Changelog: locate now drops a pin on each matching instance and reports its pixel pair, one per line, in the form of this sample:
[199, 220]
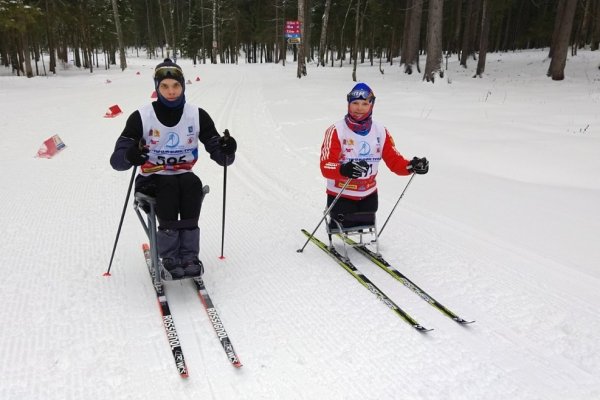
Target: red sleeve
[331, 151]
[392, 157]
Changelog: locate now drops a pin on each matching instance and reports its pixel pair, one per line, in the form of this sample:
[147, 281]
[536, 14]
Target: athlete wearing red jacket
[352, 149]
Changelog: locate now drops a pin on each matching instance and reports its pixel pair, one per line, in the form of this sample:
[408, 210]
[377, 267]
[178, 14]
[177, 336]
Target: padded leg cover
[167, 244]
[189, 244]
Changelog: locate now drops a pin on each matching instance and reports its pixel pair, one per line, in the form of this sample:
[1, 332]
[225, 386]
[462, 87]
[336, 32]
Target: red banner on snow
[51, 147]
[113, 111]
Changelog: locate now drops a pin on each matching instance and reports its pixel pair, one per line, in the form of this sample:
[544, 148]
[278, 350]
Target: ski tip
[145, 246]
[184, 375]
[422, 329]
[463, 321]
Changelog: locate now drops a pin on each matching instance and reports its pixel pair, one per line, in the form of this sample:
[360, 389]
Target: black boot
[189, 248]
[167, 244]
[193, 268]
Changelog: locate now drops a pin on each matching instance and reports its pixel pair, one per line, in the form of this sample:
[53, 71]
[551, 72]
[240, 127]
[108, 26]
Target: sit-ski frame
[355, 231]
[148, 205]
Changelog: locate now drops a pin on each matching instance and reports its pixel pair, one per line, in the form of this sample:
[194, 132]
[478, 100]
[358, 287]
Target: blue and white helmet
[361, 91]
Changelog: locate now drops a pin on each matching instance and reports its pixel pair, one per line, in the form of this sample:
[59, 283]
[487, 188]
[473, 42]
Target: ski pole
[300, 250]
[107, 273]
[226, 135]
[398, 201]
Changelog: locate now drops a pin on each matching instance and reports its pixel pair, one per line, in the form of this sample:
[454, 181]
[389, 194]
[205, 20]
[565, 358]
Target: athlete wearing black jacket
[162, 138]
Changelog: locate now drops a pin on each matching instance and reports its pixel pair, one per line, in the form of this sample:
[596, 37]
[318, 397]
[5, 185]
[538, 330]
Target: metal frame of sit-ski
[148, 205]
[355, 231]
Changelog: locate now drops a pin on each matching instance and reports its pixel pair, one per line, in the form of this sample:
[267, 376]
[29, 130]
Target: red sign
[50, 147]
[113, 111]
[292, 27]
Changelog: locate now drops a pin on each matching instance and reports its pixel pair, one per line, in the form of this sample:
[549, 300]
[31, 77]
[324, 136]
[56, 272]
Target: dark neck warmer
[166, 115]
[178, 103]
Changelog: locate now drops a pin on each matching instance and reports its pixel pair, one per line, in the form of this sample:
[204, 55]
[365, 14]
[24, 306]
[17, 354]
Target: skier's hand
[418, 165]
[354, 169]
[227, 144]
[137, 154]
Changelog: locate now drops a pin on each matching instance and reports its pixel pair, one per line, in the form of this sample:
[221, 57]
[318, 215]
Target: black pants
[351, 213]
[178, 198]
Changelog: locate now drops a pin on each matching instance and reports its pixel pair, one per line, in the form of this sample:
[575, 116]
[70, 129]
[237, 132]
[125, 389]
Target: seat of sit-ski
[144, 201]
[354, 222]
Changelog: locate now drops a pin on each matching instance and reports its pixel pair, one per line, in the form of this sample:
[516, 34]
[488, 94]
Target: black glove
[227, 144]
[137, 154]
[354, 169]
[418, 165]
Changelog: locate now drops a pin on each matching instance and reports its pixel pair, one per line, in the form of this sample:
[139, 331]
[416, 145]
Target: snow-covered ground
[503, 230]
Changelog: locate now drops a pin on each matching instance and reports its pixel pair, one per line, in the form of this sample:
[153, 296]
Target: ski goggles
[361, 94]
[168, 73]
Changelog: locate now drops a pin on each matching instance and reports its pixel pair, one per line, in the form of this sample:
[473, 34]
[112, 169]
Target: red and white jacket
[342, 145]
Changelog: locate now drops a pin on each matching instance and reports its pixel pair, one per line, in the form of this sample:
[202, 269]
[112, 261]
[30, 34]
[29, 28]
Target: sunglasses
[168, 72]
[361, 94]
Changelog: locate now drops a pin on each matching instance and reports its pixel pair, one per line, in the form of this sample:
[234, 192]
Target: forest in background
[93, 34]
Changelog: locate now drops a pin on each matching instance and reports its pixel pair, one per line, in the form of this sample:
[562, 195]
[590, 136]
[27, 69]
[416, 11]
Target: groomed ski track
[303, 327]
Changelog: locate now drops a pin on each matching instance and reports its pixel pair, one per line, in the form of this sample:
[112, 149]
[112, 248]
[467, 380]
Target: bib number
[162, 160]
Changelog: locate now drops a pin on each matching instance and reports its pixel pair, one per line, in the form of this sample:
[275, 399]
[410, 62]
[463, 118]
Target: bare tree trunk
[26, 54]
[360, 28]
[457, 25]
[123, 61]
[595, 40]
[162, 19]
[213, 57]
[559, 57]
[306, 36]
[484, 38]
[301, 58]
[356, 35]
[202, 32]
[372, 47]
[433, 63]
[173, 44]
[276, 42]
[466, 39]
[583, 31]
[51, 42]
[36, 57]
[474, 35]
[560, 9]
[324, 33]
[507, 29]
[283, 48]
[150, 41]
[342, 50]
[220, 40]
[405, 35]
[18, 57]
[412, 33]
